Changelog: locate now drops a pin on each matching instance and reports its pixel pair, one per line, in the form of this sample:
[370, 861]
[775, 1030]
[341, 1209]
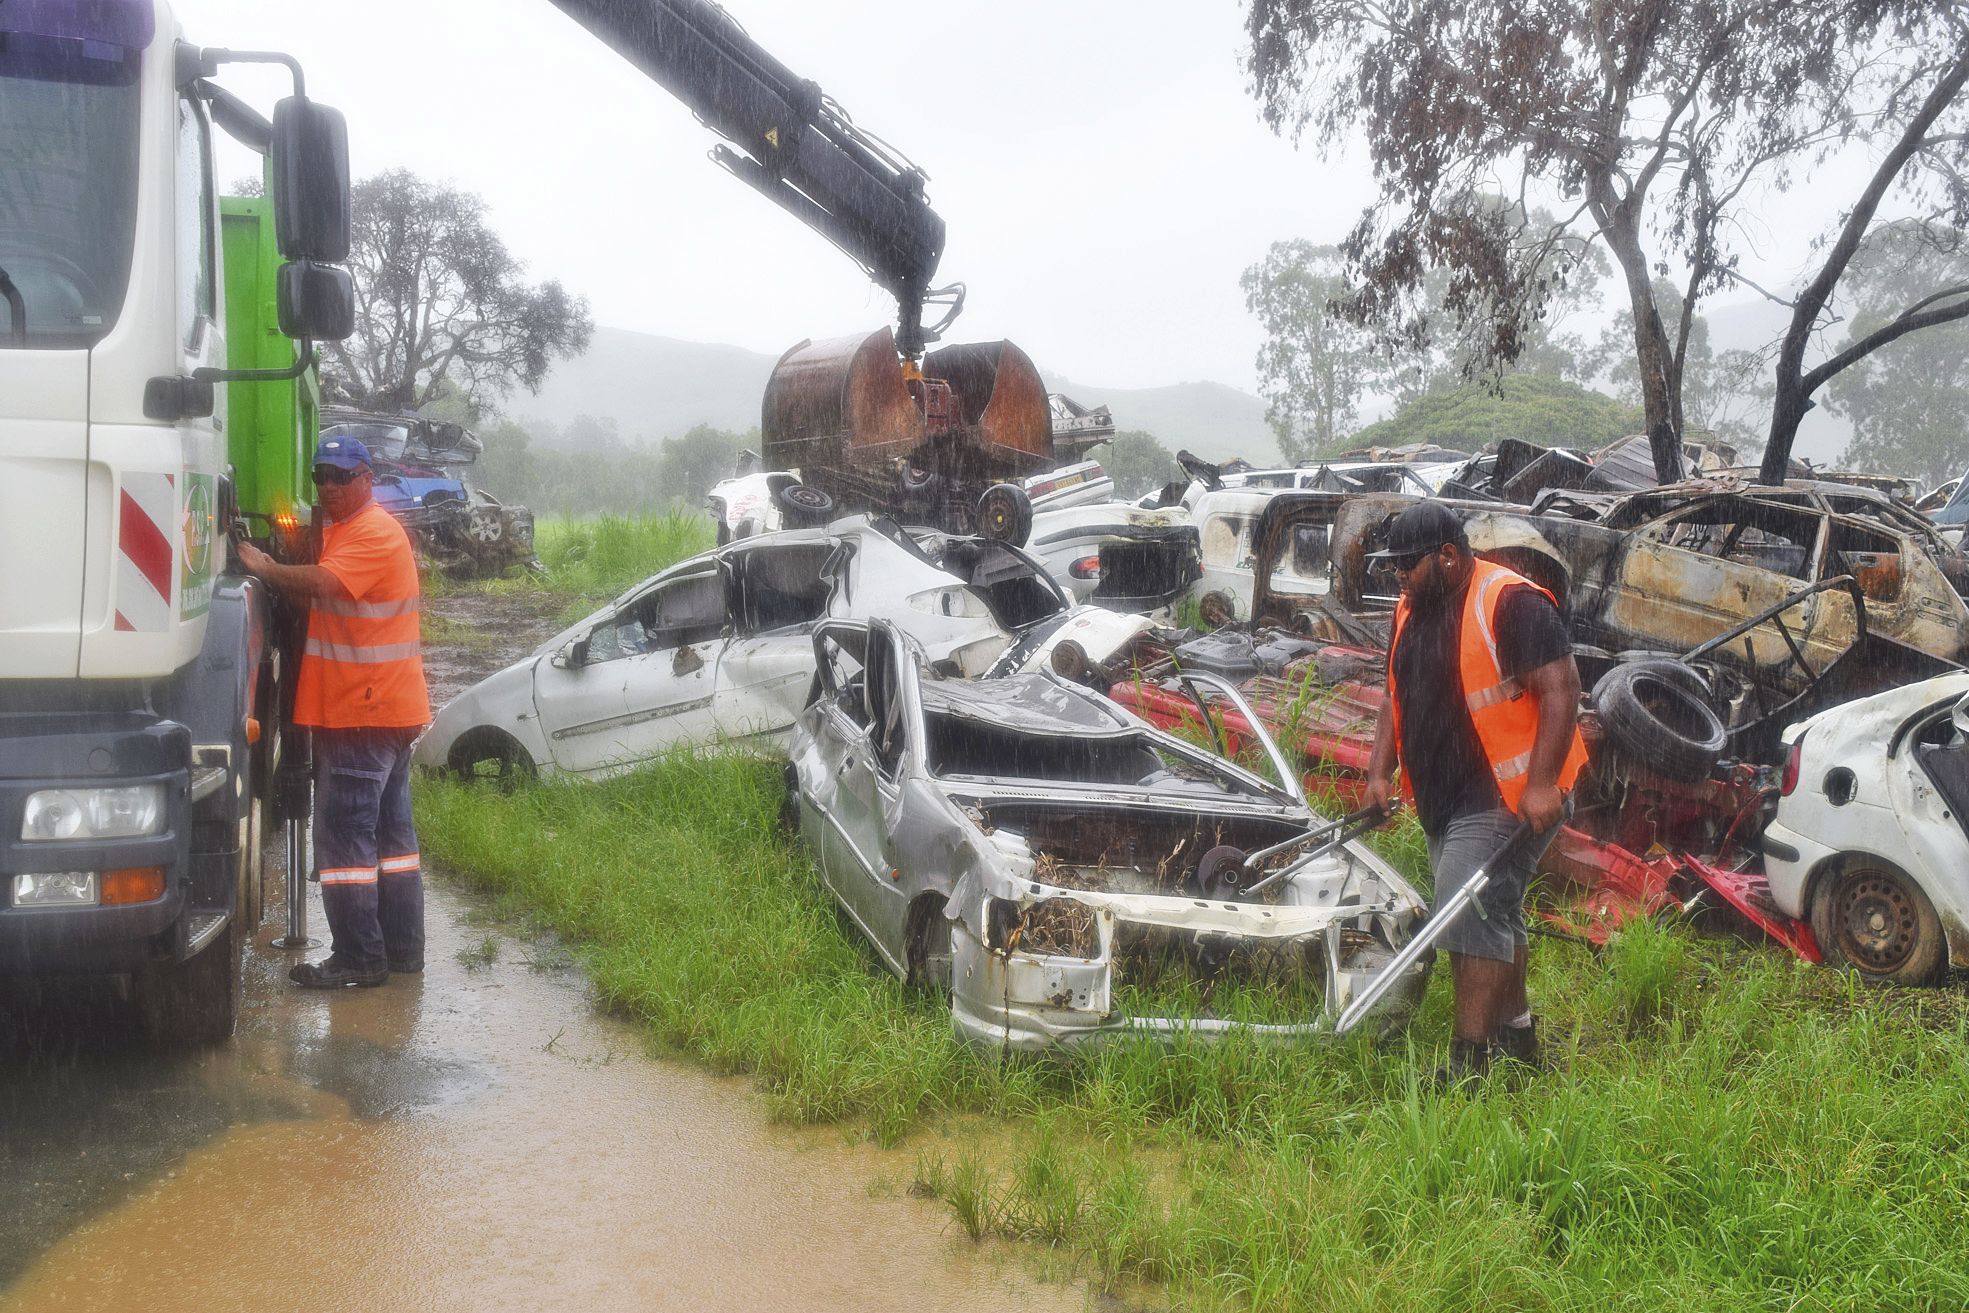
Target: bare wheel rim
[1875, 921]
[484, 527]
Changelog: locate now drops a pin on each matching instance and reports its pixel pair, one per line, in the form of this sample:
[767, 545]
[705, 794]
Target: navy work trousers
[366, 848]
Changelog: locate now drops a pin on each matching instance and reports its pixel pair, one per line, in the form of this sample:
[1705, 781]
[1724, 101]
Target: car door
[1705, 568]
[667, 687]
[577, 693]
[782, 591]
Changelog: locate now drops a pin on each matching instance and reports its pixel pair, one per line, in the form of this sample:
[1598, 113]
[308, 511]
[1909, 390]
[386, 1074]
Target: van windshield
[68, 188]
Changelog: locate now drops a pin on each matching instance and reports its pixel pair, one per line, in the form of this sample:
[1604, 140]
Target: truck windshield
[68, 188]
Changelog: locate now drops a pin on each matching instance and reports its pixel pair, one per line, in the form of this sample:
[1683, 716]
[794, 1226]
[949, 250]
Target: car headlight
[108, 813]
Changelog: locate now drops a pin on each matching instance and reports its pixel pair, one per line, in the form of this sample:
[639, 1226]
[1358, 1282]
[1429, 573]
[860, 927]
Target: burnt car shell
[1031, 844]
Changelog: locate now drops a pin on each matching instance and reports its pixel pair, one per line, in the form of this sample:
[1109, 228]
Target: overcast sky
[1101, 168]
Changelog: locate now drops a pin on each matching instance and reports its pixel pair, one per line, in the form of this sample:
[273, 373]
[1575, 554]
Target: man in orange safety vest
[361, 693]
[1482, 717]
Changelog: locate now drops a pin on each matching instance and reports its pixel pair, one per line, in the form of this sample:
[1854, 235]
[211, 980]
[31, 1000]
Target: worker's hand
[253, 559]
[1541, 807]
[1380, 794]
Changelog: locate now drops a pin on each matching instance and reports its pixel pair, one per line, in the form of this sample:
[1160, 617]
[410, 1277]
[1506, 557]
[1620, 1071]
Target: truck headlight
[55, 889]
[111, 813]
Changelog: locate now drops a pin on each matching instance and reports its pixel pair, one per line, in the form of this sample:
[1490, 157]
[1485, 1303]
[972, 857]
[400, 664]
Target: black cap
[1423, 527]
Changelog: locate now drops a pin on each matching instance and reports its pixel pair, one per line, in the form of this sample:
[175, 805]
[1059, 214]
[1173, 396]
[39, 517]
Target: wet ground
[476, 1137]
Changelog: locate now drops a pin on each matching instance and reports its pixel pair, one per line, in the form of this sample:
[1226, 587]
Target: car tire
[1005, 514]
[803, 504]
[789, 802]
[492, 756]
[1660, 722]
[1872, 918]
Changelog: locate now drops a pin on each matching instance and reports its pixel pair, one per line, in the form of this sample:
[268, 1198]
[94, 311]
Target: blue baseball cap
[342, 453]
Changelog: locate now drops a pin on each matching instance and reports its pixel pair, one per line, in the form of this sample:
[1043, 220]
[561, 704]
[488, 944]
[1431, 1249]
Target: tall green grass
[1724, 1128]
[598, 557]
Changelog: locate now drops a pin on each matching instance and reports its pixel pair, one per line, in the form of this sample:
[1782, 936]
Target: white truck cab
[135, 665]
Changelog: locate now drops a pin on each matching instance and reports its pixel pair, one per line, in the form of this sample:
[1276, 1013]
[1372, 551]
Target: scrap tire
[477, 749]
[1005, 514]
[803, 504]
[1869, 916]
[1660, 722]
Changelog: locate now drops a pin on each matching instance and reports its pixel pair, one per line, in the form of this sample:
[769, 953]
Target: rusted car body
[1673, 569]
[846, 414]
[1037, 849]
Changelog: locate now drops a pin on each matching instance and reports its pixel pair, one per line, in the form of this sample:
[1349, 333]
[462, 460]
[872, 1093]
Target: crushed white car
[1048, 857]
[1870, 843]
[718, 648]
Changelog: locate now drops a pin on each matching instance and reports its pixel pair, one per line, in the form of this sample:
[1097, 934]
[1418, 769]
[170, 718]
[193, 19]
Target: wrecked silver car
[1050, 859]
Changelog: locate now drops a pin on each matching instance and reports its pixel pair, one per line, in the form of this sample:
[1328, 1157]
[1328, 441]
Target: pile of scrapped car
[423, 479]
[991, 739]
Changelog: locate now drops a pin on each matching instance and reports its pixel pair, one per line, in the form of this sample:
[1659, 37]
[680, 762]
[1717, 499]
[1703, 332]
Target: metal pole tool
[1443, 918]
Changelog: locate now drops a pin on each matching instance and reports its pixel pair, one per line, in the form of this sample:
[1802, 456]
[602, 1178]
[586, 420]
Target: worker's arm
[301, 582]
[1555, 685]
[1380, 792]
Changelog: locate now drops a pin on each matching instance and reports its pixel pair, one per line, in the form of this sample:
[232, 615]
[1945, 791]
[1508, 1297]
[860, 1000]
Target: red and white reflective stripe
[145, 505]
[349, 875]
[398, 865]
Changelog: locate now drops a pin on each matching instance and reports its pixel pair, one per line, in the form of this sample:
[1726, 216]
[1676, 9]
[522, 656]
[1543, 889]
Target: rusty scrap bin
[843, 413]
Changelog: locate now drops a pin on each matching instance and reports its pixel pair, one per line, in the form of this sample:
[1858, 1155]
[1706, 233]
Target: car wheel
[803, 504]
[789, 802]
[1005, 514]
[492, 757]
[1869, 916]
[484, 527]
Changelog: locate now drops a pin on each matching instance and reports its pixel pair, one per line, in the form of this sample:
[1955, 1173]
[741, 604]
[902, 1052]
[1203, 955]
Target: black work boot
[333, 972]
[406, 966]
[1469, 1059]
[1518, 1043]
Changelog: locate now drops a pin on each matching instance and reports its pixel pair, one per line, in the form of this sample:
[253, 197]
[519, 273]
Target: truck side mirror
[310, 159]
[315, 301]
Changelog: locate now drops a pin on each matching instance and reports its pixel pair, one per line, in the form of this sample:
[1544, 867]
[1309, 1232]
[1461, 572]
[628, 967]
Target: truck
[157, 404]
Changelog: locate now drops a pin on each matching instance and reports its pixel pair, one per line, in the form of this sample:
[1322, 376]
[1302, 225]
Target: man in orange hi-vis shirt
[361, 691]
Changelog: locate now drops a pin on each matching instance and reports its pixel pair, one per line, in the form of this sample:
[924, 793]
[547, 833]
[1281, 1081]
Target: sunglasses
[1409, 560]
[324, 474]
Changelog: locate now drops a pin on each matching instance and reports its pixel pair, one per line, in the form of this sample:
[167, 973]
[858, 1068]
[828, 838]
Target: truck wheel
[1868, 915]
[195, 1003]
[1005, 514]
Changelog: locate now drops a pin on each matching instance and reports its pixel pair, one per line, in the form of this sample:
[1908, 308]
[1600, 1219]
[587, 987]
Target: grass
[1725, 1128]
[589, 560]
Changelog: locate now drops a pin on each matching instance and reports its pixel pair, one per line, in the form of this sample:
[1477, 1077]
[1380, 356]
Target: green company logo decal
[195, 583]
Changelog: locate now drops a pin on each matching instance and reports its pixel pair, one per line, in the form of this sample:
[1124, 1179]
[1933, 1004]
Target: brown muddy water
[477, 1137]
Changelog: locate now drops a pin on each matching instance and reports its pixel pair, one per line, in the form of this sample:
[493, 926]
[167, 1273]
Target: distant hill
[660, 387]
[652, 387]
[1213, 420]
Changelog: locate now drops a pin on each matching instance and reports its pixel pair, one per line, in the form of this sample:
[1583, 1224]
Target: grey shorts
[1496, 926]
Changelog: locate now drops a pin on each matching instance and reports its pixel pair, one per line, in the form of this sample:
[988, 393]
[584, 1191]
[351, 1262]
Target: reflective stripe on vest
[371, 655]
[1506, 722]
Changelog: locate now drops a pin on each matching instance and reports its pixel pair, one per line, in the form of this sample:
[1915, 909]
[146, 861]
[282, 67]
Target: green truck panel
[271, 427]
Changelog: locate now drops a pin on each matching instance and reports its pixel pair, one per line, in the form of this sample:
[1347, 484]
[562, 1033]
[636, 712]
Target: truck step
[204, 927]
[207, 780]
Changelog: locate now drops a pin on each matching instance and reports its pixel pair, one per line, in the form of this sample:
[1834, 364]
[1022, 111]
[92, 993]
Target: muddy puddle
[475, 1138]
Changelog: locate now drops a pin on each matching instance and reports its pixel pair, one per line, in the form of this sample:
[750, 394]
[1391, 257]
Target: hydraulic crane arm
[791, 142]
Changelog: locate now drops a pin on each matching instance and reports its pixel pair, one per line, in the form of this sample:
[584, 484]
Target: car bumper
[1032, 1003]
[1789, 860]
